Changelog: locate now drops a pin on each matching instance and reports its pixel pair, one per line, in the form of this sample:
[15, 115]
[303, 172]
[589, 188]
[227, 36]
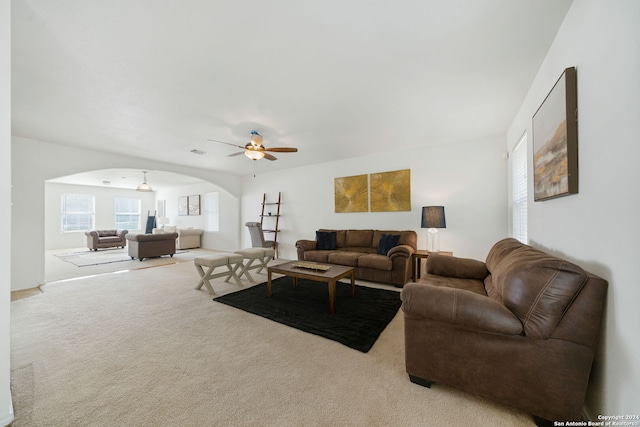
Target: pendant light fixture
[144, 186]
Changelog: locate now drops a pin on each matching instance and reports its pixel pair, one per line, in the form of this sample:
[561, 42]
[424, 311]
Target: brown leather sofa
[362, 249]
[143, 246]
[106, 239]
[520, 328]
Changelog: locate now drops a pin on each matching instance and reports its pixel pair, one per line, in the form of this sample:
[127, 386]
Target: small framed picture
[183, 206]
[194, 205]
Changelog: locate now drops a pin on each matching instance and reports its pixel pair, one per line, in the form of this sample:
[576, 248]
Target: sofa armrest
[307, 245]
[400, 250]
[304, 245]
[458, 307]
[122, 233]
[463, 268]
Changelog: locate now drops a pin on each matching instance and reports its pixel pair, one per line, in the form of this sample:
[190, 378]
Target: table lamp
[433, 218]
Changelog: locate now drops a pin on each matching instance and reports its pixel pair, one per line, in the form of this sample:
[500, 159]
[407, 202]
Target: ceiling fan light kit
[254, 155]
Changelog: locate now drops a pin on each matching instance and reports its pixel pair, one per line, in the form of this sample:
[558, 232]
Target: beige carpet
[143, 348]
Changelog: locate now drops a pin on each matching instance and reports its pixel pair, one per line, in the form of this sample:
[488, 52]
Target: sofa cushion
[360, 249]
[344, 258]
[375, 261]
[387, 241]
[110, 239]
[326, 240]
[317, 256]
[538, 288]
[359, 238]
[107, 233]
[499, 251]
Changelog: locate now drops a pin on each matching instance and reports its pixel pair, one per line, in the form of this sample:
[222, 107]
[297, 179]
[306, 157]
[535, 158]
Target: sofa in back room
[377, 255]
[143, 246]
[521, 328]
[97, 239]
[188, 238]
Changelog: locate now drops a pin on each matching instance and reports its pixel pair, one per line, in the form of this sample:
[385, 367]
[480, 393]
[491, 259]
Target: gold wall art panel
[391, 191]
[351, 194]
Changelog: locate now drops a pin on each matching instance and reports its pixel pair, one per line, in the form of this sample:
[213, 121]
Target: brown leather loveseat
[520, 329]
[377, 255]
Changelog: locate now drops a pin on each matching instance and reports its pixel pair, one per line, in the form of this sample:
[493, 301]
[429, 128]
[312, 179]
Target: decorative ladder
[269, 214]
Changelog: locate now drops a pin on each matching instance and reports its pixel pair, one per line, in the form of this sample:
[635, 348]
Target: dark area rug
[357, 323]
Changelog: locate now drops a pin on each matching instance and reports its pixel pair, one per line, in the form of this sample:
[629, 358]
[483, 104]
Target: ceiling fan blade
[282, 150]
[236, 154]
[270, 157]
[228, 143]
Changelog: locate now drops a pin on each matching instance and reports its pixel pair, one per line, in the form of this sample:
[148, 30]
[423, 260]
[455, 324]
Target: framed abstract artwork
[391, 191]
[351, 194]
[555, 140]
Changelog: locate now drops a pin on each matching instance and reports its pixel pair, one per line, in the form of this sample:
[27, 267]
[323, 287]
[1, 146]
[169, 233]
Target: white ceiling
[156, 79]
[128, 179]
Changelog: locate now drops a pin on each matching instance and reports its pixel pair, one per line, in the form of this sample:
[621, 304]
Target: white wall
[105, 212]
[227, 236]
[467, 178]
[34, 162]
[599, 228]
[6, 409]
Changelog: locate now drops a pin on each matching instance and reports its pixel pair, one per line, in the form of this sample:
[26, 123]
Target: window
[519, 168]
[127, 214]
[211, 211]
[78, 212]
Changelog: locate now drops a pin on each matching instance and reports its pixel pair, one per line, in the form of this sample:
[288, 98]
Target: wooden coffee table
[330, 276]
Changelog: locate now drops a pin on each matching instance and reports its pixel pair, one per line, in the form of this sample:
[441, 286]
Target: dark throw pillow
[326, 240]
[388, 241]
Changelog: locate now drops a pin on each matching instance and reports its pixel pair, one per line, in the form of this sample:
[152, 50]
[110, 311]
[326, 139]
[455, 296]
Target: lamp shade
[433, 217]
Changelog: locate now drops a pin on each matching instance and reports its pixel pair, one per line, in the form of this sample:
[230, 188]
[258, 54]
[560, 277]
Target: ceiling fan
[255, 150]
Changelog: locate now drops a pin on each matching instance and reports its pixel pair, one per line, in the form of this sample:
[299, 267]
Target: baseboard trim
[6, 419]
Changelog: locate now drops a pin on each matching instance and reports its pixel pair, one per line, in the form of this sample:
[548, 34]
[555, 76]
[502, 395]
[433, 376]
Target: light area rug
[102, 256]
[144, 348]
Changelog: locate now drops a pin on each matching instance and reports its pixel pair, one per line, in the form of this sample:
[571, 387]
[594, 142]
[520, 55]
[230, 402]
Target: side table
[416, 261]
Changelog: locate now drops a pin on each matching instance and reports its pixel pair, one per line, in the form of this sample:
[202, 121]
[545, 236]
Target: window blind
[519, 202]
[128, 213]
[77, 213]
